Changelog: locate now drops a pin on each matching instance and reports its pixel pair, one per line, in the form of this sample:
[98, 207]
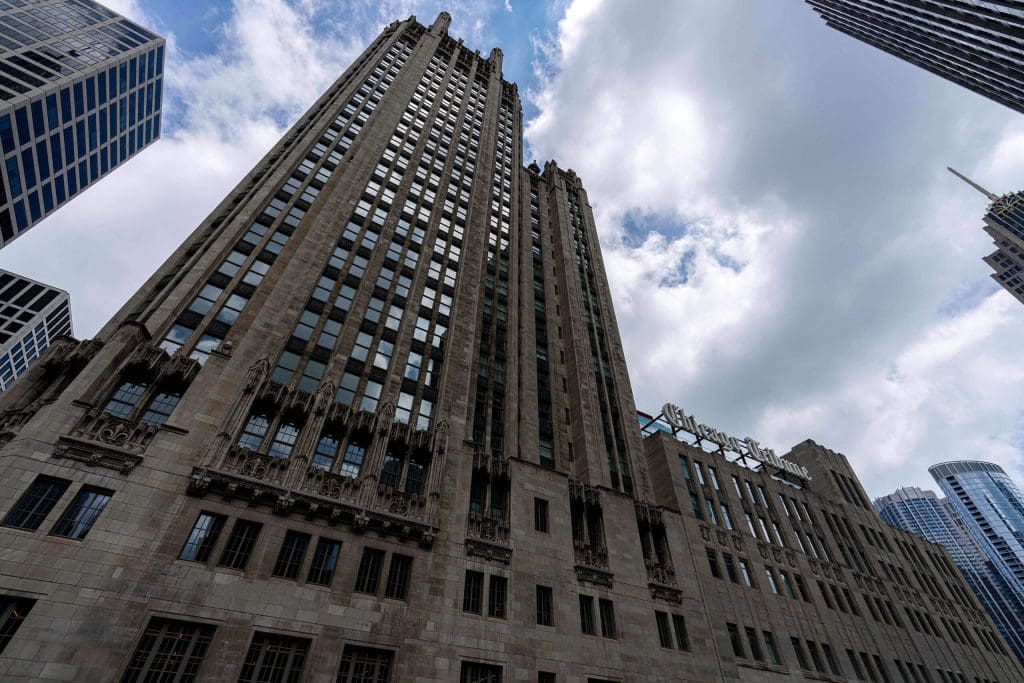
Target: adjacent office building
[926, 515]
[1004, 223]
[32, 315]
[80, 93]
[372, 422]
[978, 44]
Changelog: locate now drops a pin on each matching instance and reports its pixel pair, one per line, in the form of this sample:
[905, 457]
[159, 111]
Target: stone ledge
[95, 454]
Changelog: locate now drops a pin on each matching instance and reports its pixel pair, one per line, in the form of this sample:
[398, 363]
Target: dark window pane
[664, 634]
[36, 503]
[497, 597]
[79, 517]
[369, 571]
[365, 665]
[545, 607]
[293, 551]
[607, 618]
[202, 537]
[540, 515]
[473, 592]
[325, 560]
[169, 651]
[475, 672]
[274, 658]
[398, 577]
[587, 614]
[240, 544]
[12, 612]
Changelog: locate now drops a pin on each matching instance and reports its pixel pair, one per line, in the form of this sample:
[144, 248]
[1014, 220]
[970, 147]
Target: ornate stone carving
[96, 455]
[99, 425]
[254, 377]
[595, 576]
[666, 593]
[256, 465]
[591, 555]
[488, 551]
[490, 463]
[661, 574]
[488, 529]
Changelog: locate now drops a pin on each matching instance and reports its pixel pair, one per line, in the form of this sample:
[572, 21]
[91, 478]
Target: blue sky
[787, 254]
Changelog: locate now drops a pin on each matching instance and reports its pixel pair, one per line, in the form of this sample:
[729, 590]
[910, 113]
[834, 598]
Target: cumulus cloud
[788, 256]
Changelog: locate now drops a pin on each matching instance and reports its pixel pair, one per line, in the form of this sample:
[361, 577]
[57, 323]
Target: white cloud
[851, 304]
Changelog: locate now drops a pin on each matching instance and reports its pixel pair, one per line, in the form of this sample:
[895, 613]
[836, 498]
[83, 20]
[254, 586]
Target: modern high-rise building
[372, 422]
[992, 510]
[1004, 223]
[978, 44]
[80, 93]
[32, 315]
[926, 515]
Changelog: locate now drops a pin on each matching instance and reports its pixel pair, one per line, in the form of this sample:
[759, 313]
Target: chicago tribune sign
[748, 448]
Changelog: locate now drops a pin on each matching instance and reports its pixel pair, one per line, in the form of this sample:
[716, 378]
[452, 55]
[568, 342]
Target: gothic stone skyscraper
[371, 421]
[80, 93]
[978, 44]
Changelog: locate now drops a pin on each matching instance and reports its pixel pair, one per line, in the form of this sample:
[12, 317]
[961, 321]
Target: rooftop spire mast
[970, 182]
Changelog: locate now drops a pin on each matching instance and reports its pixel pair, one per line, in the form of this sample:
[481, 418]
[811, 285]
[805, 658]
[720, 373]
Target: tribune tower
[370, 422]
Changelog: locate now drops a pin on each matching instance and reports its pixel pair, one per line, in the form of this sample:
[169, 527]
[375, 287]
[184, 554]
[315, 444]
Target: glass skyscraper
[31, 315]
[978, 44]
[924, 514]
[80, 93]
[992, 508]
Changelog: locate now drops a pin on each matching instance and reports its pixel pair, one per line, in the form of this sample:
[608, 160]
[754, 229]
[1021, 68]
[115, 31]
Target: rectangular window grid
[36, 503]
[325, 560]
[12, 612]
[293, 551]
[202, 537]
[240, 544]
[79, 517]
[274, 657]
[370, 566]
[169, 650]
[397, 586]
[365, 665]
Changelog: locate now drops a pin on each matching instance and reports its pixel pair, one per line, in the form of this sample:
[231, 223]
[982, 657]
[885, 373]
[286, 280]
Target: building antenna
[970, 182]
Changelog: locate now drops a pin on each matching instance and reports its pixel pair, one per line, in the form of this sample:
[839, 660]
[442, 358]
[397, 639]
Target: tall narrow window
[540, 515]
[735, 640]
[587, 614]
[202, 537]
[713, 563]
[664, 634]
[545, 606]
[497, 596]
[79, 517]
[370, 567]
[325, 560]
[36, 503]
[801, 656]
[391, 471]
[125, 398]
[607, 610]
[12, 612]
[326, 451]
[773, 650]
[682, 638]
[352, 462]
[473, 592]
[284, 440]
[365, 665]
[254, 432]
[273, 657]
[397, 586]
[293, 551]
[169, 650]
[240, 544]
[755, 645]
